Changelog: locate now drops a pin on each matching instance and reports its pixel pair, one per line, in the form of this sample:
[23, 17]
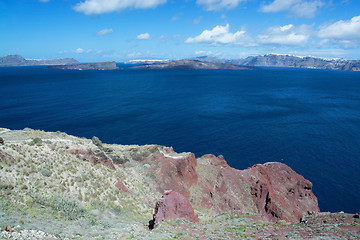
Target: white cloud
[104, 32]
[143, 36]
[296, 8]
[221, 35]
[79, 50]
[215, 5]
[203, 52]
[279, 5]
[342, 30]
[105, 6]
[285, 35]
[306, 9]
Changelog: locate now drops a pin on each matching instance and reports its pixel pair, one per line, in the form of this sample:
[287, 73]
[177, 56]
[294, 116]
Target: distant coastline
[193, 64]
[203, 62]
[87, 66]
[291, 61]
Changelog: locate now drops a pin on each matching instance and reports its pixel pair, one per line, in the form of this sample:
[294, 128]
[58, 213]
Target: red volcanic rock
[92, 157]
[280, 193]
[222, 188]
[216, 161]
[274, 190]
[121, 186]
[173, 205]
[178, 171]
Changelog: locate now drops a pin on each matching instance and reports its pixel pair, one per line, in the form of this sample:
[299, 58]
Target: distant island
[290, 61]
[57, 63]
[192, 64]
[19, 61]
[87, 66]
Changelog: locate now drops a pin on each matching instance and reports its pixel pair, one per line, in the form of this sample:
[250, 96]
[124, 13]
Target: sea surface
[308, 119]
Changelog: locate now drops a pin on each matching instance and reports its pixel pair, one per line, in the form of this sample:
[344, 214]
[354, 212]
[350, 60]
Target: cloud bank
[278, 35]
[296, 8]
[342, 30]
[285, 35]
[216, 5]
[90, 7]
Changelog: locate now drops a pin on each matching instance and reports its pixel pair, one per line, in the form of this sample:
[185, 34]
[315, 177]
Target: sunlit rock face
[173, 205]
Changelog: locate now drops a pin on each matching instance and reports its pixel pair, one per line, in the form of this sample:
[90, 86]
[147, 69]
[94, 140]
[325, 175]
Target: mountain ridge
[290, 61]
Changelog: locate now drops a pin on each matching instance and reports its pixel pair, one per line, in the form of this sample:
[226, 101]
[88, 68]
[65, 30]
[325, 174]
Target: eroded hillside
[54, 185]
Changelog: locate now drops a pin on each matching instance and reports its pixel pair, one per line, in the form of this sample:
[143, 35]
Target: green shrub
[68, 207]
[96, 141]
[36, 141]
[45, 172]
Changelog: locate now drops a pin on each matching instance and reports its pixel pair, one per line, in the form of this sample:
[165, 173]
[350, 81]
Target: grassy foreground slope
[57, 186]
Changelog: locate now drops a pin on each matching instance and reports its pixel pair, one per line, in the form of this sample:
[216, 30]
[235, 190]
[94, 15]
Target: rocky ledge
[87, 66]
[192, 64]
[77, 188]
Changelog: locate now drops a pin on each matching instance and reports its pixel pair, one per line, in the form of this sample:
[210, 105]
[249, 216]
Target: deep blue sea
[308, 119]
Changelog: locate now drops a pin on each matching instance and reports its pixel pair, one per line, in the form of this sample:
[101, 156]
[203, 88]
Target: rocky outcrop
[2, 142]
[17, 61]
[88, 66]
[272, 190]
[280, 193]
[192, 64]
[177, 171]
[173, 205]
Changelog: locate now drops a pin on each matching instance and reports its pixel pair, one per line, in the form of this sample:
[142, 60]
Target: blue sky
[120, 30]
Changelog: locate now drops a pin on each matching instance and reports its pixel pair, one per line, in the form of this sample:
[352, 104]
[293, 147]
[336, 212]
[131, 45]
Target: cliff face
[272, 190]
[275, 60]
[17, 61]
[289, 61]
[51, 180]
